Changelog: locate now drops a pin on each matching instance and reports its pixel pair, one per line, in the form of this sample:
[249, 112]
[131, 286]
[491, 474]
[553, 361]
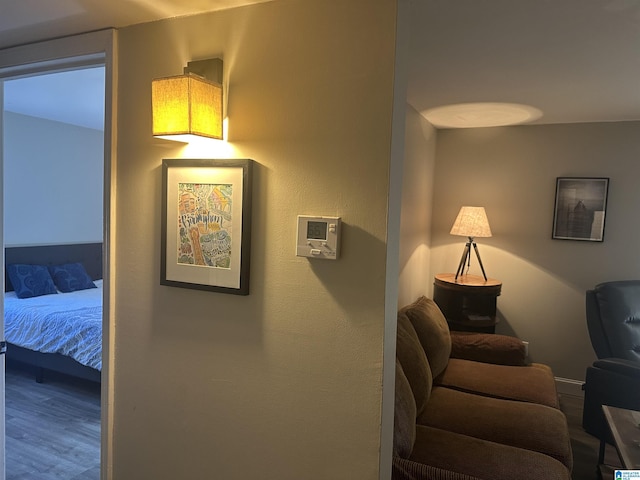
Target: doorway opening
[53, 169]
[57, 55]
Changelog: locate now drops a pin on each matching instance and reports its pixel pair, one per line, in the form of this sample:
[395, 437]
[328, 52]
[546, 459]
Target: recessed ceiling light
[487, 114]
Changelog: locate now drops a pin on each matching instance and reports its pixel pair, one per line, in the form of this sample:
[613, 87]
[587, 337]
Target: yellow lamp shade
[186, 105]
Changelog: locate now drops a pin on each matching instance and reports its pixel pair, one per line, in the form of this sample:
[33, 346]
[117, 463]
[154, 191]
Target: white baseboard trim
[568, 386]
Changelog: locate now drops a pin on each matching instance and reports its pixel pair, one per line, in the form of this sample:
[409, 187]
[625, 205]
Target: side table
[624, 425]
[468, 302]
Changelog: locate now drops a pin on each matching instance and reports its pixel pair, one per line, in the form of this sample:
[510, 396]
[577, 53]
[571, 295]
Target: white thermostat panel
[318, 237]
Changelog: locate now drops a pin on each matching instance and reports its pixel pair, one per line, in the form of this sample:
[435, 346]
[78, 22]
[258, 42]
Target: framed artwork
[206, 224]
[580, 207]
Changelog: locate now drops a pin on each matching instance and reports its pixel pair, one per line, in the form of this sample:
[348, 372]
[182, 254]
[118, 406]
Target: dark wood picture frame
[580, 208]
[206, 224]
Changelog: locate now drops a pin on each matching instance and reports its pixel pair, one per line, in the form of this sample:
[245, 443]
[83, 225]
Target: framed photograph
[206, 224]
[581, 204]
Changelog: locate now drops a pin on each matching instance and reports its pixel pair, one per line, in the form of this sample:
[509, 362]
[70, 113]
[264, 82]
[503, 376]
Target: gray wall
[53, 182]
[512, 171]
[417, 198]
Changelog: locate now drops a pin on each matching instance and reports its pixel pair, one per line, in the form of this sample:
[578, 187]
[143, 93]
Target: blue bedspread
[65, 323]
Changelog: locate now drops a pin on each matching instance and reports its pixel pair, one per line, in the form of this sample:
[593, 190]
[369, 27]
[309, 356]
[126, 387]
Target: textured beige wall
[512, 172]
[285, 383]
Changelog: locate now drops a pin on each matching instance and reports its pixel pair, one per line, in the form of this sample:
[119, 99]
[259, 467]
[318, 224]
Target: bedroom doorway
[95, 50]
[53, 161]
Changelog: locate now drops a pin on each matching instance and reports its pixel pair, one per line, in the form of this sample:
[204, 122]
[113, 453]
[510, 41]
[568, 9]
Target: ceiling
[574, 60]
[26, 21]
[77, 97]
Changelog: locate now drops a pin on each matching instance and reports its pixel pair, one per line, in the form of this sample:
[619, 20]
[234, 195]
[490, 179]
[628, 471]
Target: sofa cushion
[481, 458]
[432, 330]
[404, 421]
[414, 362]
[519, 424]
[488, 348]
[532, 383]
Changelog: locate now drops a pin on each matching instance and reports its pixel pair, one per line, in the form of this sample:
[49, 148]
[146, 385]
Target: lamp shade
[471, 222]
[187, 105]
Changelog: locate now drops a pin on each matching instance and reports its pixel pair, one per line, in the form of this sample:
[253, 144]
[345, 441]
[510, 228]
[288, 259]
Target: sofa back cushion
[404, 421]
[414, 362]
[432, 330]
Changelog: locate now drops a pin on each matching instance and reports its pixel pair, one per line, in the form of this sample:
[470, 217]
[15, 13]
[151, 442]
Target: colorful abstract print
[205, 224]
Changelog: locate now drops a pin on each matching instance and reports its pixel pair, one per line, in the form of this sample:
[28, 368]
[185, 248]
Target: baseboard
[568, 386]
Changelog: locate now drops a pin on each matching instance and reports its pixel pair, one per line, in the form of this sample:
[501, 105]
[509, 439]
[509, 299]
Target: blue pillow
[30, 280]
[71, 277]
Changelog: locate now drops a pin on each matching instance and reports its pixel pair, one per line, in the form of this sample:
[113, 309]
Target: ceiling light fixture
[482, 114]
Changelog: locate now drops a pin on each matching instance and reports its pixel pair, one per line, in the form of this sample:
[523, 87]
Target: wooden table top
[625, 428]
[468, 280]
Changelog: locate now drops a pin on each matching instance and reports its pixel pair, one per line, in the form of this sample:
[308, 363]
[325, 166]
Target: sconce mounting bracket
[211, 69]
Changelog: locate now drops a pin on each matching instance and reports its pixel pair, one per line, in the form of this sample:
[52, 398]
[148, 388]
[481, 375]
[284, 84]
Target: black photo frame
[206, 224]
[580, 208]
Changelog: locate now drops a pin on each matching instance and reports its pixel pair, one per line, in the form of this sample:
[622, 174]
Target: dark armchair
[613, 320]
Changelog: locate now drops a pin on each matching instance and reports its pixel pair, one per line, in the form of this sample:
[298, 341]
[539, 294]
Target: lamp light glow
[481, 114]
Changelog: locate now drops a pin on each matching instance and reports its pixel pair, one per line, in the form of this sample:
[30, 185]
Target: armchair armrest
[628, 368]
[488, 348]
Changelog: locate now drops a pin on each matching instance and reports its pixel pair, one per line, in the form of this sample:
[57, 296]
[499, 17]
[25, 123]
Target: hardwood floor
[52, 428]
[584, 446]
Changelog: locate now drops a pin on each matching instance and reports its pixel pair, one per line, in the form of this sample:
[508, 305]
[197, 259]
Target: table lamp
[471, 222]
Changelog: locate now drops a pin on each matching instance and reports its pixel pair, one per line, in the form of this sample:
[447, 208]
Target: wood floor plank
[584, 446]
[52, 428]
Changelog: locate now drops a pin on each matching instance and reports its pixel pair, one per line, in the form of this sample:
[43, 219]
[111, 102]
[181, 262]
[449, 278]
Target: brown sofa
[468, 406]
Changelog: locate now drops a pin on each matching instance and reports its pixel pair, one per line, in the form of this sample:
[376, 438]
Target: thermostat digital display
[317, 230]
[318, 237]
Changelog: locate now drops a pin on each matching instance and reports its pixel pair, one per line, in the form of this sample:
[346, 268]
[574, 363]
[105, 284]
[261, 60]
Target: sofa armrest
[628, 368]
[404, 469]
[488, 348]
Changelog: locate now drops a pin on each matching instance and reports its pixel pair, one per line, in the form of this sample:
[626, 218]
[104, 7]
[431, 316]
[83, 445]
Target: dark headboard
[89, 254]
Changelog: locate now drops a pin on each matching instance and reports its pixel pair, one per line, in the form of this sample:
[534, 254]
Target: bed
[71, 318]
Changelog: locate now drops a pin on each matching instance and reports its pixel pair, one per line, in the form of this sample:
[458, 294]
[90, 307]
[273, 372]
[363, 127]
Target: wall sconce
[189, 104]
[471, 222]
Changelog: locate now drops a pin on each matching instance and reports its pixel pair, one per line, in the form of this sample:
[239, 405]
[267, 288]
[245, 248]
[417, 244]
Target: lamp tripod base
[466, 258]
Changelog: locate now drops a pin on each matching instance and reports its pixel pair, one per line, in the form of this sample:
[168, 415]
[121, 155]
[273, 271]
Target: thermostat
[318, 237]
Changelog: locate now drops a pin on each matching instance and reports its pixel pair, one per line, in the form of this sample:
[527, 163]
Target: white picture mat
[204, 275]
